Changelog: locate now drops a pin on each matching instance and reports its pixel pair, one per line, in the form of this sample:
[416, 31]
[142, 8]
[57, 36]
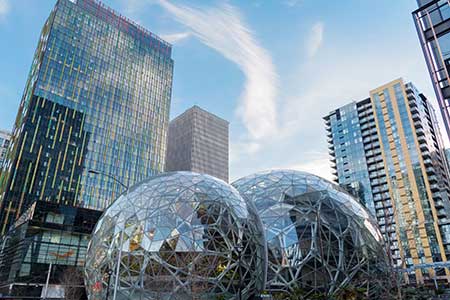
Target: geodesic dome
[320, 240]
[179, 235]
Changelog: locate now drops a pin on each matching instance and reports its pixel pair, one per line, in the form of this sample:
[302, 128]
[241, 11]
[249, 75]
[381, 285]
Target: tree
[72, 280]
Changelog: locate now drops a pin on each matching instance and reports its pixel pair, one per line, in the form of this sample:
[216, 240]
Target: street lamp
[239, 248]
[126, 188]
[109, 176]
[110, 272]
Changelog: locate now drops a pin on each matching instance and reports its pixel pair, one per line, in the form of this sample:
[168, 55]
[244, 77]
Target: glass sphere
[178, 235]
[320, 240]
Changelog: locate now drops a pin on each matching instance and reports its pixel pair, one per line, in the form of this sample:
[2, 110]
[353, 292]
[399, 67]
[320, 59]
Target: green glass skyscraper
[93, 119]
[97, 97]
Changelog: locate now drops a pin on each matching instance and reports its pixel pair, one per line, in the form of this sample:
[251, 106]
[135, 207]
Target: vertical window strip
[35, 170]
[45, 179]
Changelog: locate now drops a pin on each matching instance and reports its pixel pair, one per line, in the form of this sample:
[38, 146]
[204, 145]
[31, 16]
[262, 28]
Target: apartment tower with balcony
[387, 150]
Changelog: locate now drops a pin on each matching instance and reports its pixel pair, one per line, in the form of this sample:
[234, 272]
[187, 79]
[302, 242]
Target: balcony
[439, 204]
[377, 167]
[426, 154]
[411, 98]
[434, 187]
[377, 174]
[424, 147]
[428, 162]
[432, 179]
[366, 119]
[421, 139]
[430, 171]
[374, 145]
[413, 107]
[420, 131]
[370, 139]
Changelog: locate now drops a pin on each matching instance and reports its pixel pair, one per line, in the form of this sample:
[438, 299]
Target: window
[54, 218]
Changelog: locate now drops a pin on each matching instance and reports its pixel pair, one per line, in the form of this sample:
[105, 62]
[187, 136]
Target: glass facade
[97, 98]
[447, 155]
[417, 217]
[5, 140]
[95, 112]
[432, 21]
[46, 233]
[183, 235]
[346, 129]
[407, 172]
[319, 238]
[179, 235]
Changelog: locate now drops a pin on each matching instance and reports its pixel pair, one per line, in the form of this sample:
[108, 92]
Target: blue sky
[273, 68]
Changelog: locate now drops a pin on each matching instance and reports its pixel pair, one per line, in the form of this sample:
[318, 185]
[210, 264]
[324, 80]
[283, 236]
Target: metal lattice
[320, 240]
[178, 236]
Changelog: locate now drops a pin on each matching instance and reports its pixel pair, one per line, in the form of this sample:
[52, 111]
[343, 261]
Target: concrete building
[388, 151]
[198, 142]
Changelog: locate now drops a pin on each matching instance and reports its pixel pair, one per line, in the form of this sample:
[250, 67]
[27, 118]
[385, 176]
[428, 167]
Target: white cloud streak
[174, 38]
[292, 3]
[315, 39]
[223, 29]
[133, 7]
[316, 163]
[4, 8]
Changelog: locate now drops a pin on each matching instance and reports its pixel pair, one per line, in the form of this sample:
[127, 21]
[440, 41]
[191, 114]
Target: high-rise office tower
[432, 20]
[388, 151]
[198, 142]
[5, 140]
[93, 119]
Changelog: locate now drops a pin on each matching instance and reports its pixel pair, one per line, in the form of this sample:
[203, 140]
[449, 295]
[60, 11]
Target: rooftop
[198, 108]
[106, 13]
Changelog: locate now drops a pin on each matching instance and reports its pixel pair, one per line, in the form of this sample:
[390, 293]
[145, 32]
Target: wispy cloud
[315, 163]
[174, 38]
[315, 39]
[4, 8]
[133, 9]
[223, 29]
[292, 3]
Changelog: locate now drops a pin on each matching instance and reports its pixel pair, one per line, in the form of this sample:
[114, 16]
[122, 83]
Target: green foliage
[419, 293]
[349, 293]
[299, 294]
[440, 291]
[352, 293]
